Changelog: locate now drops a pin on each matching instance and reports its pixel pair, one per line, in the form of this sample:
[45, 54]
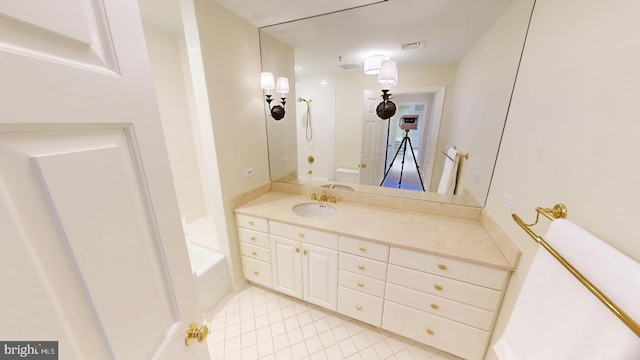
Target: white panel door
[92, 253]
[320, 276]
[287, 266]
[374, 135]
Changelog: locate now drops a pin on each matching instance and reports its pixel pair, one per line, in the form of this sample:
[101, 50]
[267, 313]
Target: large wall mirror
[457, 63]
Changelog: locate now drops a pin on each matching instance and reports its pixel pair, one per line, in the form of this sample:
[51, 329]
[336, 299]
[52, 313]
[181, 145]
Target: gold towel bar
[560, 212]
[460, 155]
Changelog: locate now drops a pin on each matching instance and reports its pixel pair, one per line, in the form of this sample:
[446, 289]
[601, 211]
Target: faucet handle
[313, 195]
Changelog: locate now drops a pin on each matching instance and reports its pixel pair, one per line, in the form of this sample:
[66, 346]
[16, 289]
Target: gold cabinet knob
[362, 165]
[304, 252]
[442, 267]
[430, 332]
[253, 238]
[300, 234]
[297, 250]
[196, 334]
[361, 267]
[254, 253]
[438, 287]
[360, 283]
[256, 272]
[250, 222]
[435, 307]
[362, 248]
[358, 307]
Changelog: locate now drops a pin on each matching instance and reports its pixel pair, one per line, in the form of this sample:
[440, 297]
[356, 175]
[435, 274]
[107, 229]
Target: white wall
[172, 98]
[572, 131]
[481, 98]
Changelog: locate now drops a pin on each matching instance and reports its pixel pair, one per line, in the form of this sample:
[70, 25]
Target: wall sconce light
[388, 78]
[267, 83]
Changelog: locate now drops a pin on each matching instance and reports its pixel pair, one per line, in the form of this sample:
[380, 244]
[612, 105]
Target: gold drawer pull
[253, 238]
[442, 267]
[256, 272]
[301, 234]
[435, 307]
[429, 331]
[362, 248]
[358, 307]
[360, 283]
[438, 287]
[361, 267]
[250, 222]
[254, 253]
[297, 250]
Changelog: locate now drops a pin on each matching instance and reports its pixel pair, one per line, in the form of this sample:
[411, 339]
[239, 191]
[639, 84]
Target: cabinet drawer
[252, 222]
[253, 237]
[436, 305]
[363, 266]
[361, 283]
[479, 296]
[257, 271]
[369, 249]
[360, 306]
[310, 236]
[458, 339]
[255, 252]
[455, 269]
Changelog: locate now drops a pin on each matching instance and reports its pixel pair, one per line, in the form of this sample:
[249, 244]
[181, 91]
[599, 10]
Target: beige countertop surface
[435, 234]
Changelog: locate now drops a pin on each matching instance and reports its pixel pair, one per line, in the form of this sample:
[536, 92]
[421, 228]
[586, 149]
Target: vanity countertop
[436, 234]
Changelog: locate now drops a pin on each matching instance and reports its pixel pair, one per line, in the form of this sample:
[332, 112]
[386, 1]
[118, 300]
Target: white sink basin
[338, 187]
[314, 210]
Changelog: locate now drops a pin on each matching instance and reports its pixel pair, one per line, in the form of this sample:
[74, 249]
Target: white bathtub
[212, 276]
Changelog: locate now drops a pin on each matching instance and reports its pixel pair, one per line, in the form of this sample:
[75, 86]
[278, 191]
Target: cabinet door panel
[320, 276]
[286, 264]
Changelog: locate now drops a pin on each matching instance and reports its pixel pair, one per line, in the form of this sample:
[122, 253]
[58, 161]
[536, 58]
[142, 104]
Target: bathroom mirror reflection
[457, 63]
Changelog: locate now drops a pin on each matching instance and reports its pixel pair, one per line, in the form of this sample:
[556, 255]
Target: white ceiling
[449, 27]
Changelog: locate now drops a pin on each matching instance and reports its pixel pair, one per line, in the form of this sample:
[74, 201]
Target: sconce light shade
[267, 84]
[266, 81]
[283, 85]
[372, 64]
[388, 76]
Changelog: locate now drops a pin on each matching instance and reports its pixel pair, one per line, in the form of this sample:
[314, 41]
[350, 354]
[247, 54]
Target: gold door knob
[361, 267]
[254, 253]
[358, 307]
[360, 283]
[438, 287]
[256, 272]
[429, 331]
[250, 222]
[362, 248]
[253, 238]
[196, 334]
[297, 250]
[435, 307]
[442, 267]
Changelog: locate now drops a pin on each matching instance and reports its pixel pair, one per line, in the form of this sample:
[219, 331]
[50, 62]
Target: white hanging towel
[557, 318]
[448, 180]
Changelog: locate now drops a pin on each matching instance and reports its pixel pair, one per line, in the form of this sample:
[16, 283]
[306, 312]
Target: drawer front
[309, 236]
[470, 294]
[257, 271]
[454, 269]
[436, 305]
[254, 237]
[369, 249]
[363, 266]
[252, 222]
[363, 307]
[458, 339]
[255, 252]
[361, 283]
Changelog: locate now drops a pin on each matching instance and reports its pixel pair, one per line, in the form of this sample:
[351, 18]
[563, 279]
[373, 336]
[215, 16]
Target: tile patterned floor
[256, 323]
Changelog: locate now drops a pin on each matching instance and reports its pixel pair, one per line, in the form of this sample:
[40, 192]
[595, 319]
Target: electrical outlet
[249, 172]
[476, 177]
[285, 160]
[507, 202]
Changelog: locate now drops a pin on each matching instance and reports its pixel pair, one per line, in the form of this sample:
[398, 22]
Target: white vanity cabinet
[441, 302]
[253, 233]
[363, 272]
[305, 263]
